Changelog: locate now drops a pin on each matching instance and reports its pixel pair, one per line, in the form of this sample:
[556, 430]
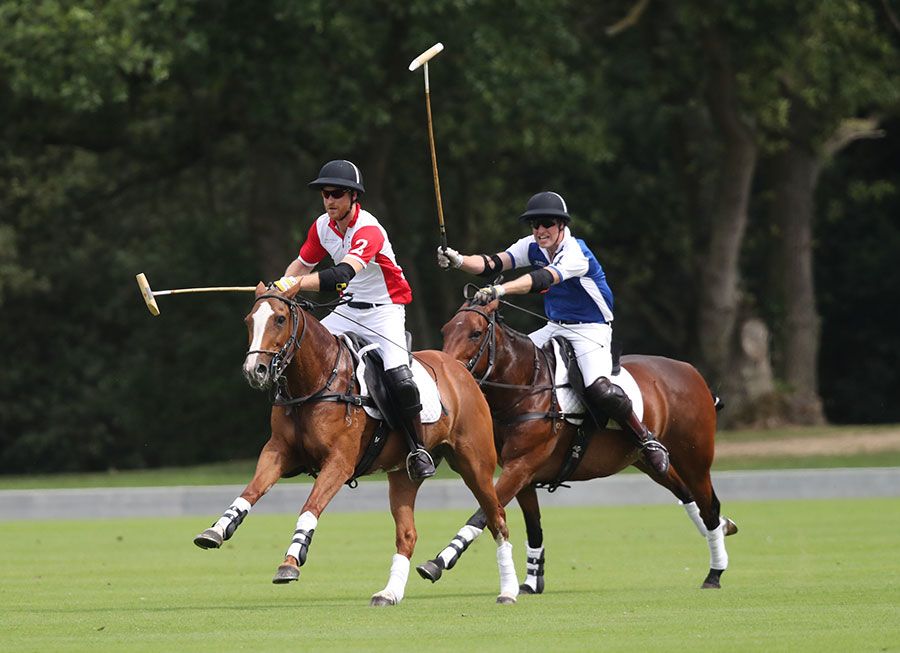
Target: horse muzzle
[259, 374]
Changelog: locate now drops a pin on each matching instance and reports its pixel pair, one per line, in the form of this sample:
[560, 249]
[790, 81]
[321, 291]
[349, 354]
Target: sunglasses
[336, 194]
[546, 223]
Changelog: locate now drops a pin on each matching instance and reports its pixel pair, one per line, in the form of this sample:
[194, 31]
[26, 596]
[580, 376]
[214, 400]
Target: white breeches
[591, 343]
[385, 325]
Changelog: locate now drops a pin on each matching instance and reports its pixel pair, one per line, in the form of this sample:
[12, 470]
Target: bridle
[489, 342]
[282, 358]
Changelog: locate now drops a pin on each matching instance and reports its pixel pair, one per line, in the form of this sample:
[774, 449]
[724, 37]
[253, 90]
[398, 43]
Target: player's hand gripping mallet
[151, 295]
[422, 60]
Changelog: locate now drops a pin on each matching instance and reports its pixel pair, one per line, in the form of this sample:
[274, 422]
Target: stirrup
[425, 465]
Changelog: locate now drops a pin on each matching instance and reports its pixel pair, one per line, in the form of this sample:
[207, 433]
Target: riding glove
[286, 282]
[488, 294]
[448, 257]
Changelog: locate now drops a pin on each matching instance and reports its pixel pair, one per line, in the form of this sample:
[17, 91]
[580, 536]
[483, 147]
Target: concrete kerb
[288, 497]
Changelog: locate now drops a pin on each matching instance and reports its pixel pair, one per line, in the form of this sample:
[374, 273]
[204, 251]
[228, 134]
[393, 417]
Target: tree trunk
[795, 173]
[719, 276]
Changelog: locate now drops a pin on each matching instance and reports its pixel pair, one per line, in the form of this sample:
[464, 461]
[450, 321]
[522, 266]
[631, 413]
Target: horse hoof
[208, 539]
[383, 599]
[528, 589]
[504, 599]
[712, 580]
[285, 574]
[430, 571]
[729, 527]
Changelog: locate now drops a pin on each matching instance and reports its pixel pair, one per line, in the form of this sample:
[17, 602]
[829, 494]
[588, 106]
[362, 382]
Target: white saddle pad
[428, 392]
[569, 403]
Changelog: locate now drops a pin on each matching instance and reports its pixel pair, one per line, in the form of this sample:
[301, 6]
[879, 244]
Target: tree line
[734, 166]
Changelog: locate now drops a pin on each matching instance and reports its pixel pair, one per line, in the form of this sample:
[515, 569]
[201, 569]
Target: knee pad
[609, 398]
[404, 389]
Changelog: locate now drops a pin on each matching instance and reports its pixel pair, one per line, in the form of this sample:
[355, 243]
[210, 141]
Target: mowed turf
[804, 576]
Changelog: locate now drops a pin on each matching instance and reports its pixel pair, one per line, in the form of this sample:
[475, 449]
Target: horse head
[273, 324]
[471, 337]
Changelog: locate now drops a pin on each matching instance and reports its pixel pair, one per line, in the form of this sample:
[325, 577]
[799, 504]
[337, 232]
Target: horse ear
[260, 288]
[291, 292]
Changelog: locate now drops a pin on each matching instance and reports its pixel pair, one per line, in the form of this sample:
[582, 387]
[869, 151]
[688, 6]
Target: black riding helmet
[340, 173]
[545, 205]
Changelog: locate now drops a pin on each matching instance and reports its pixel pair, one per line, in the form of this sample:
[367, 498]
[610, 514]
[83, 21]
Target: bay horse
[319, 426]
[538, 447]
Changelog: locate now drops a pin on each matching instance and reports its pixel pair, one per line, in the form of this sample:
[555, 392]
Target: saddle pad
[428, 392]
[570, 403]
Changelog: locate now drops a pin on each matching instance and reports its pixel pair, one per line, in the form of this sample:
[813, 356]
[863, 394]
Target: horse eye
[475, 335]
[280, 319]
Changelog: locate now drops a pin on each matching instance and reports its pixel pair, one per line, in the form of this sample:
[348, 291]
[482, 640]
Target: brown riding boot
[653, 451]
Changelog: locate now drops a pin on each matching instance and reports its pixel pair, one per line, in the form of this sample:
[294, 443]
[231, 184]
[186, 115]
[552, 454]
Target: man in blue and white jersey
[577, 300]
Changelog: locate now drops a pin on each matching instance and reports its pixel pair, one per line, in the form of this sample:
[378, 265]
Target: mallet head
[147, 294]
[426, 56]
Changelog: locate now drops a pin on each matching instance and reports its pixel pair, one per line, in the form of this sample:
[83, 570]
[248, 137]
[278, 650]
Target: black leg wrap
[303, 538]
[478, 520]
[236, 515]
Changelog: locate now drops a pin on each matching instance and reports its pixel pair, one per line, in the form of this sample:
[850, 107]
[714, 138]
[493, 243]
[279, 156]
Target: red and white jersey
[381, 280]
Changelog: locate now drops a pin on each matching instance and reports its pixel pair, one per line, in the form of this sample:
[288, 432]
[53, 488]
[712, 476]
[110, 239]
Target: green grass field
[804, 576]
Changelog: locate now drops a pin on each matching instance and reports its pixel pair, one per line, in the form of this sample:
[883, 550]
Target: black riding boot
[419, 464]
[609, 400]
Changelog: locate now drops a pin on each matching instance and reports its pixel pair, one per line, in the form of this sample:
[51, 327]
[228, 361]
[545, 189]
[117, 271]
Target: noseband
[489, 341]
[282, 358]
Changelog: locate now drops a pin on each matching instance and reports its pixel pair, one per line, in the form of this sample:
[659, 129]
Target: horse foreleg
[402, 493]
[269, 468]
[327, 485]
[534, 547]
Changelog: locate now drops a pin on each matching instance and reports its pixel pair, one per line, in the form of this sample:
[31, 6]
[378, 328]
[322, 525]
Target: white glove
[448, 257]
[488, 294]
[286, 282]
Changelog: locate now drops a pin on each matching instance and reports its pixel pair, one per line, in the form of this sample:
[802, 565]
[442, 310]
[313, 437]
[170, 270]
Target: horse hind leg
[704, 516]
[534, 546]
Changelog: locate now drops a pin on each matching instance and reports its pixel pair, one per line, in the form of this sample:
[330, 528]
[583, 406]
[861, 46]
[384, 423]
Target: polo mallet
[151, 295]
[422, 60]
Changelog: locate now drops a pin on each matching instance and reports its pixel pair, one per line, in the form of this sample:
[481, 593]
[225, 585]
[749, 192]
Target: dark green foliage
[176, 138]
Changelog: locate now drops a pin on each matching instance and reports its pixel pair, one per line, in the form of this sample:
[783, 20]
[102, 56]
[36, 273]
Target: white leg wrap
[396, 584]
[694, 513]
[306, 522]
[458, 544]
[509, 584]
[532, 568]
[238, 506]
[718, 556]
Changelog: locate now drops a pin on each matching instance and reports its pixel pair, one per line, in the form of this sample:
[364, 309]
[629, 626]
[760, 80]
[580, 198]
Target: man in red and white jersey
[365, 267]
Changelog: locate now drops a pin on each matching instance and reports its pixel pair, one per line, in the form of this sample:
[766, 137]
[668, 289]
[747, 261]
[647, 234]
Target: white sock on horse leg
[718, 556]
[532, 568]
[509, 584]
[458, 544]
[236, 512]
[306, 522]
[399, 575]
[694, 513]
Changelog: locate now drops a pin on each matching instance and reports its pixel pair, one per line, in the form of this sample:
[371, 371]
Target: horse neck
[516, 364]
[314, 359]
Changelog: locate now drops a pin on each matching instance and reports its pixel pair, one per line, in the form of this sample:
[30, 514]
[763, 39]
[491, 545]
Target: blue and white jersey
[583, 294]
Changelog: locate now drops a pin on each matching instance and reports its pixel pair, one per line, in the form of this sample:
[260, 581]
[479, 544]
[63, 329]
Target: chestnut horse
[538, 446]
[318, 426]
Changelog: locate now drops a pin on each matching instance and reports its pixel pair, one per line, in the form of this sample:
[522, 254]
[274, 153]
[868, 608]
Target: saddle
[568, 380]
[374, 376]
